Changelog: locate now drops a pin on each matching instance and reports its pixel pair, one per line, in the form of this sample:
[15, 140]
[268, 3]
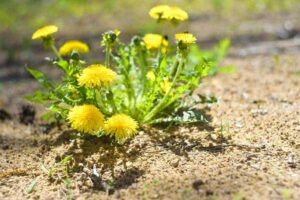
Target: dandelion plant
[147, 81]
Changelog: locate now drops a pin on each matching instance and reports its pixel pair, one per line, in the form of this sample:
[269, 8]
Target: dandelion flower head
[185, 38]
[155, 41]
[175, 13]
[150, 75]
[44, 32]
[165, 85]
[157, 11]
[73, 45]
[96, 75]
[121, 127]
[86, 119]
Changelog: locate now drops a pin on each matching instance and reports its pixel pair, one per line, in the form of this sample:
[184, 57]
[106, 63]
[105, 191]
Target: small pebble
[256, 112]
[197, 184]
[175, 163]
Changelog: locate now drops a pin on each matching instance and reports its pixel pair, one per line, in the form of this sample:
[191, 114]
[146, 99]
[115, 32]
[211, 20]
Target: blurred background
[249, 24]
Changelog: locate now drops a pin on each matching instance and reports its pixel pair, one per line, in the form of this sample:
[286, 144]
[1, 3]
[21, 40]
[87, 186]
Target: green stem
[110, 98]
[174, 68]
[162, 103]
[110, 95]
[129, 85]
[100, 102]
[143, 61]
[143, 66]
[131, 93]
[55, 51]
[107, 56]
[158, 57]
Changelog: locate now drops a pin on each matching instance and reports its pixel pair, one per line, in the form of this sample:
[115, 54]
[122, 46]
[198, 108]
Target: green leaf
[186, 117]
[48, 116]
[222, 48]
[62, 64]
[32, 184]
[205, 68]
[205, 99]
[38, 97]
[286, 194]
[230, 69]
[210, 59]
[192, 117]
[40, 77]
[66, 160]
[55, 108]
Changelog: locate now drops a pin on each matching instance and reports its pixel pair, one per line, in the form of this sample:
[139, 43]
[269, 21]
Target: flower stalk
[55, 51]
[162, 104]
[110, 95]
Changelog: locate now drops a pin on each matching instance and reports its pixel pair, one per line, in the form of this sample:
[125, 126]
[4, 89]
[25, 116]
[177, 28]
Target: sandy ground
[250, 150]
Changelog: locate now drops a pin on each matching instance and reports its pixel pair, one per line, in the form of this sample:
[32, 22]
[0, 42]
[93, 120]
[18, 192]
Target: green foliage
[149, 80]
[32, 13]
[167, 97]
[211, 58]
[286, 194]
[40, 77]
[238, 196]
[31, 186]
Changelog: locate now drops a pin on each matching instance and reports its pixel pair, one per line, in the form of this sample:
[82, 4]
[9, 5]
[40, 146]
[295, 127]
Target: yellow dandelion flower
[73, 45]
[185, 38]
[157, 11]
[165, 85]
[175, 13]
[96, 76]
[120, 126]
[86, 119]
[154, 41]
[117, 32]
[44, 32]
[150, 76]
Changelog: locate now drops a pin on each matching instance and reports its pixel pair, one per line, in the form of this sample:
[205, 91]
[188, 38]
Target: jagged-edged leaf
[40, 77]
[204, 99]
[38, 97]
[62, 64]
[185, 117]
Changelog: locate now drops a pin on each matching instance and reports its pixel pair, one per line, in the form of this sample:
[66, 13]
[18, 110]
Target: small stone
[256, 112]
[34, 143]
[291, 161]
[239, 124]
[5, 147]
[245, 95]
[197, 184]
[128, 164]
[86, 170]
[141, 133]
[117, 194]
[134, 186]
[175, 163]
[209, 193]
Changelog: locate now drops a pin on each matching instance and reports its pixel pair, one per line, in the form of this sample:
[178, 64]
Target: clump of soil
[27, 114]
[4, 115]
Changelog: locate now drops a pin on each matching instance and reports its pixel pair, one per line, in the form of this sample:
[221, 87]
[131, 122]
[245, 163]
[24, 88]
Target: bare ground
[251, 148]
